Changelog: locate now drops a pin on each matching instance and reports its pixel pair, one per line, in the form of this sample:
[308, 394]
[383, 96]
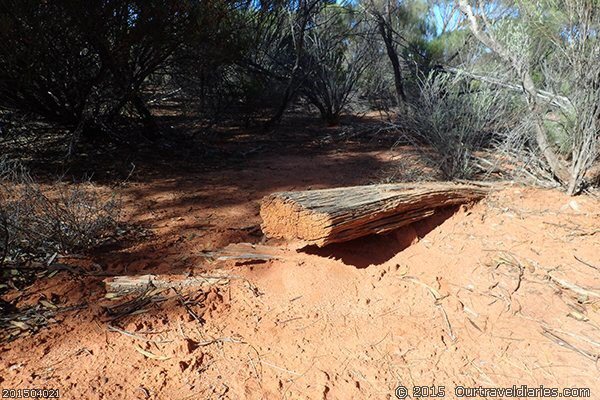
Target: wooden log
[327, 216]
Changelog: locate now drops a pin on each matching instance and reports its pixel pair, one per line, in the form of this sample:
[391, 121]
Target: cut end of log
[327, 216]
[287, 219]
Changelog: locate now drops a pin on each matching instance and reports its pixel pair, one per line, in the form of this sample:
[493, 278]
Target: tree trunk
[150, 126]
[336, 215]
[305, 11]
[388, 40]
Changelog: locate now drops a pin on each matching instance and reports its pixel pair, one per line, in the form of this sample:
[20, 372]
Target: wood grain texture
[327, 216]
[128, 284]
[246, 252]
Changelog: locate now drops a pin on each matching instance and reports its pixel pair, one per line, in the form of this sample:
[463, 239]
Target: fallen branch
[245, 252]
[123, 285]
[587, 264]
[573, 287]
[563, 343]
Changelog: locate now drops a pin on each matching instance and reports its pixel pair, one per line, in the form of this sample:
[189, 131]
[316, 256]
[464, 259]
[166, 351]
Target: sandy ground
[506, 292]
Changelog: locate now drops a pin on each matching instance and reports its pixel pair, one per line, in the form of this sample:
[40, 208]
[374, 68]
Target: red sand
[350, 321]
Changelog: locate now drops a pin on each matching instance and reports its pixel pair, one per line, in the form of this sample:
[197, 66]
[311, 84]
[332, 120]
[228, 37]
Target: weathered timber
[128, 284]
[245, 252]
[327, 216]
